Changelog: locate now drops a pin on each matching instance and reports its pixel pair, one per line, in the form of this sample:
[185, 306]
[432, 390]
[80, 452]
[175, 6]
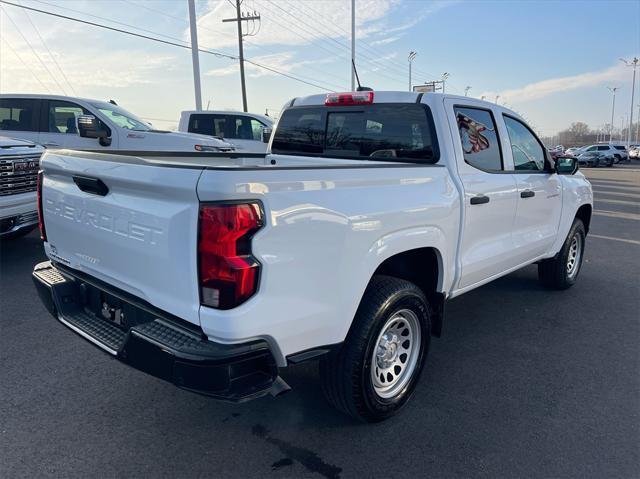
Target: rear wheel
[376, 370]
[610, 164]
[562, 271]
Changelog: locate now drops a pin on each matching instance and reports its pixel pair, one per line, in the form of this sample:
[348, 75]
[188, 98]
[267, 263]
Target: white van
[248, 132]
[52, 121]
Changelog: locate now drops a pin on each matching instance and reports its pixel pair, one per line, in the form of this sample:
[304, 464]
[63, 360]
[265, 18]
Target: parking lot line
[616, 193]
[615, 187]
[617, 214]
[615, 202]
[624, 240]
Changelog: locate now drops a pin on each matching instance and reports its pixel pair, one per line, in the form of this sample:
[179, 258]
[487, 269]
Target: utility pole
[445, 75]
[194, 54]
[353, 45]
[466, 91]
[239, 19]
[633, 63]
[613, 109]
[410, 58]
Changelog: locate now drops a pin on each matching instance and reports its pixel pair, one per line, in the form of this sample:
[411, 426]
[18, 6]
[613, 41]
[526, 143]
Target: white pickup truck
[342, 244]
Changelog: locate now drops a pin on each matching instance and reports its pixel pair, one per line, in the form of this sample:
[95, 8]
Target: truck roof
[42, 96]
[384, 97]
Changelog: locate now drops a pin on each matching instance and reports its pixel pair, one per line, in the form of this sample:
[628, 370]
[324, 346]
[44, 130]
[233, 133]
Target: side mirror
[566, 165]
[266, 134]
[89, 127]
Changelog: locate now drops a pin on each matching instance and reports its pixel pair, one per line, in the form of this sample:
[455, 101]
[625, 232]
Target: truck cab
[248, 132]
[52, 121]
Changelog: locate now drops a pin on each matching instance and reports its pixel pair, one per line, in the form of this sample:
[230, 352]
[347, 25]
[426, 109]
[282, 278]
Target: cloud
[23, 69]
[303, 23]
[544, 88]
[279, 61]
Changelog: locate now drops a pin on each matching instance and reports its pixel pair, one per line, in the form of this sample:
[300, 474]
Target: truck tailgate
[139, 236]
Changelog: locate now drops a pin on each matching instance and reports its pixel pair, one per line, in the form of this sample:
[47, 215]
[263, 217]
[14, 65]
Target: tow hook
[279, 387]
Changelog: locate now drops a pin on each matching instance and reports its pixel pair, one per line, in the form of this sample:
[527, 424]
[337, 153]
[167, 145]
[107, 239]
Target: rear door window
[603, 148]
[479, 136]
[393, 132]
[19, 114]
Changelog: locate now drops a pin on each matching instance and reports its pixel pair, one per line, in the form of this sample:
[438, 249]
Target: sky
[551, 61]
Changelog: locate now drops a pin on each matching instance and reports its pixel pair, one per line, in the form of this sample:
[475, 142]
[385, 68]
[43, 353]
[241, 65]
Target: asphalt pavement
[525, 382]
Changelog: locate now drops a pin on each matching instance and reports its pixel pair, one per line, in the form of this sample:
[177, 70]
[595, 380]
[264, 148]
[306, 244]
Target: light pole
[466, 91]
[445, 75]
[410, 59]
[353, 45]
[194, 54]
[633, 63]
[638, 124]
[613, 109]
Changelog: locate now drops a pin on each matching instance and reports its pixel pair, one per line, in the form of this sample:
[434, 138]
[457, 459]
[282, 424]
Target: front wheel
[377, 368]
[562, 271]
[610, 164]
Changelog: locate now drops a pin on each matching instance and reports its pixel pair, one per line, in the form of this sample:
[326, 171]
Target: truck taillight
[43, 232]
[228, 274]
[346, 99]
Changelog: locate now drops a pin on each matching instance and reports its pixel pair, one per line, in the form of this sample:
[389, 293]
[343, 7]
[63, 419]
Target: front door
[539, 193]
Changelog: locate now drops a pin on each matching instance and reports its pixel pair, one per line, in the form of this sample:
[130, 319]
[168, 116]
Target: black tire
[555, 273]
[346, 375]
[610, 164]
[617, 158]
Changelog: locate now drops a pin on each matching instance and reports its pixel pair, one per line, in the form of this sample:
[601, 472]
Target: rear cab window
[226, 126]
[385, 131]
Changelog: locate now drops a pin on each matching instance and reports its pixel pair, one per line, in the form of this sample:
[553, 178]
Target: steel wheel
[396, 353]
[575, 256]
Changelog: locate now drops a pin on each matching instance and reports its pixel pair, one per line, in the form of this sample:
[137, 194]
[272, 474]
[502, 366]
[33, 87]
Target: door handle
[479, 200]
[527, 194]
[51, 144]
[91, 185]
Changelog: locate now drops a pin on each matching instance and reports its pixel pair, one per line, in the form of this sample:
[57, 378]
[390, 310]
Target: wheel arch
[423, 267]
[584, 214]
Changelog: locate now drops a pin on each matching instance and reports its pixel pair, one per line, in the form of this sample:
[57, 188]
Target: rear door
[19, 118]
[490, 194]
[140, 235]
[539, 192]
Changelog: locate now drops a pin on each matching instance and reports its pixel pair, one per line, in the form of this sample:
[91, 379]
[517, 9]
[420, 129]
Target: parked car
[52, 120]
[19, 164]
[618, 152]
[575, 151]
[342, 244]
[634, 152]
[596, 158]
[247, 132]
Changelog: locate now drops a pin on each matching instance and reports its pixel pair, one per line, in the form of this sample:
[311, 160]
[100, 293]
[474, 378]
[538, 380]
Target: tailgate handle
[91, 185]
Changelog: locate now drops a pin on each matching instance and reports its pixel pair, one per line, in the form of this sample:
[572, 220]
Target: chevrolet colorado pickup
[341, 244]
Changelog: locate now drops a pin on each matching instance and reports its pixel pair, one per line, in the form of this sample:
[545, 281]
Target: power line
[167, 42]
[390, 75]
[49, 51]
[34, 50]
[26, 66]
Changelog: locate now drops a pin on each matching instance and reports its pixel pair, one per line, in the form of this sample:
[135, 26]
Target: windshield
[122, 117]
[387, 132]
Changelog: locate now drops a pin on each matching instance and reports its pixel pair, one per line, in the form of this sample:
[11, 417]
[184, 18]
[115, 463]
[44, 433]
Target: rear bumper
[155, 342]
